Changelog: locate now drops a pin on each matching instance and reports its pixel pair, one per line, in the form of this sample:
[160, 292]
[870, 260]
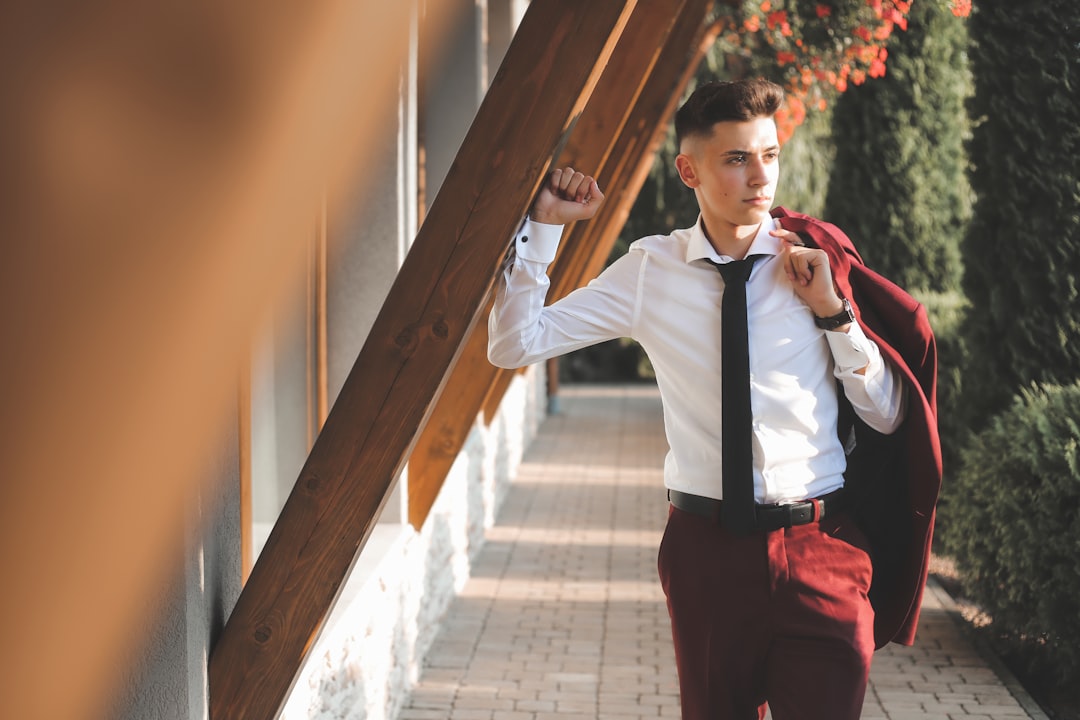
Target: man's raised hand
[809, 273]
[567, 195]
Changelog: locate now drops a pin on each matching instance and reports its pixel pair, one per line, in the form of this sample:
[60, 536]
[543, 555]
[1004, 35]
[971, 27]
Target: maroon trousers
[779, 618]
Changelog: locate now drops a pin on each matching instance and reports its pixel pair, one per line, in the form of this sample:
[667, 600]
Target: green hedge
[898, 186]
[1022, 249]
[1014, 526]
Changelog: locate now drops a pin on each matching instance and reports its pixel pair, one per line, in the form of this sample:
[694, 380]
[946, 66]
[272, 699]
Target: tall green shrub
[1022, 250]
[898, 186]
[806, 161]
[1015, 526]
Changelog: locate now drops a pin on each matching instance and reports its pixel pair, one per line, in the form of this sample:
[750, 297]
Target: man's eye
[735, 159]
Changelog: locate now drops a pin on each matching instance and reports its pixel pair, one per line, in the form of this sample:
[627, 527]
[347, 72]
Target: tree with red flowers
[912, 122]
[816, 50]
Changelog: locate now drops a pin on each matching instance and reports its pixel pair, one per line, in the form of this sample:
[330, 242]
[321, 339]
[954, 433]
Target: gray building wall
[371, 227]
[456, 79]
[168, 677]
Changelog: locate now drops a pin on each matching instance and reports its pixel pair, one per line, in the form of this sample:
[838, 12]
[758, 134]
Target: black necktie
[737, 509]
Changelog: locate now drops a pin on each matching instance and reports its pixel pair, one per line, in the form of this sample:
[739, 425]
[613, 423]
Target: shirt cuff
[851, 350]
[537, 242]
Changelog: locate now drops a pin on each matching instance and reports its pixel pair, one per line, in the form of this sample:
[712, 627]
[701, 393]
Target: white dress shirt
[664, 295]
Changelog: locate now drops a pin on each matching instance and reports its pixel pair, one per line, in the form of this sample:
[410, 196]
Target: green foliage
[805, 163]
[1022, 250]
[663, 204]
[899, 187]
[1015, 526]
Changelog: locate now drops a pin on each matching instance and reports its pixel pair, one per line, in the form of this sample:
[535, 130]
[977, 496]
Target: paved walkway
[564, 616]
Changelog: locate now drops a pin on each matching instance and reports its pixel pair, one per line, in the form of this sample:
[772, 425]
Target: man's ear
[685, 165]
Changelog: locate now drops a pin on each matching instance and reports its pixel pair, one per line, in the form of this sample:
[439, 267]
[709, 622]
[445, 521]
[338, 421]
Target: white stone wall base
[372, 649]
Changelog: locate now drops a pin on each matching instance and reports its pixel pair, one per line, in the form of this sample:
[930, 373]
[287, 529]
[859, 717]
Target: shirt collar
[699, 247]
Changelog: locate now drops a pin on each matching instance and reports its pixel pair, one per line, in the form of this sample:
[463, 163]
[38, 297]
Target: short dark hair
[716, 102]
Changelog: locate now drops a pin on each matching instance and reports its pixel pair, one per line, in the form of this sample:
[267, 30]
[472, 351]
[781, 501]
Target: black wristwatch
[832, 322]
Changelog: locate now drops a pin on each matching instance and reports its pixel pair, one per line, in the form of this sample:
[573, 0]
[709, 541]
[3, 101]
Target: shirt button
[524, 238]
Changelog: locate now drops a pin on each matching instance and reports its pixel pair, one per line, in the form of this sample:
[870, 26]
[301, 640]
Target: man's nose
[758, 175]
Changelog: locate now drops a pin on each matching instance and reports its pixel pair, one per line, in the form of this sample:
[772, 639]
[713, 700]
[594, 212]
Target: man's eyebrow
[771, 148]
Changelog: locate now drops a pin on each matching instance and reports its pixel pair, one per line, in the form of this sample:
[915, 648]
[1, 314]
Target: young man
[766, 571]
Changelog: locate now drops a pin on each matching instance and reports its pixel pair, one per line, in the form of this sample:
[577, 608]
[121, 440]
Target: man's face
[733, 172]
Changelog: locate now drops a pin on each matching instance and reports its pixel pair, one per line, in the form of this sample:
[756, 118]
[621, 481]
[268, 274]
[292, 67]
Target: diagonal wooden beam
[616, 138]
[415, 340]
[586, 248]
[594, 145]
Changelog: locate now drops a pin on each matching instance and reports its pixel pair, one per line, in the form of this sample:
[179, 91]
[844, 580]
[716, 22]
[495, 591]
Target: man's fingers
[594, 192]
[791, 238]
[567, 196]
[800, 265]
[555, 179]
[570, 184]
[576, 187]
[561, 178]
[796, 270]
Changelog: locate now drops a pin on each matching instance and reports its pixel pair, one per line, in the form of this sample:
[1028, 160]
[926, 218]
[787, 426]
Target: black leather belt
[768, 517]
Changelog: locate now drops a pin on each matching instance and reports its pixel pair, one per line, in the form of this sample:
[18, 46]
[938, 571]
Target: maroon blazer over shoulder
[893, 480]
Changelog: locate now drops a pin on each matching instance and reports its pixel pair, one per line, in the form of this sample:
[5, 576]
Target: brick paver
[563, 616]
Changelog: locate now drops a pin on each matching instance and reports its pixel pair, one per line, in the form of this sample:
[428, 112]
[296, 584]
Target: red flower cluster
[789, 117]
[778, 21]
[961, 8]
[818, 49]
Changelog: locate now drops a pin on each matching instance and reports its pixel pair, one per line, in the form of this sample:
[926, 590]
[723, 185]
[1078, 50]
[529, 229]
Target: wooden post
[552, 373]
[409, 353]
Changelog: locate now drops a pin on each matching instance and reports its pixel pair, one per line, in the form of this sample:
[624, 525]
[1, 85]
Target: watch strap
[832, 322]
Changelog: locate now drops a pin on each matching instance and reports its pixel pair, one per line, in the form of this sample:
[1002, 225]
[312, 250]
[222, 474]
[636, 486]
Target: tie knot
[737, 270]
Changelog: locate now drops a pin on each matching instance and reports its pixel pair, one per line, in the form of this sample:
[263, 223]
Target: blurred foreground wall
[202, 208]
